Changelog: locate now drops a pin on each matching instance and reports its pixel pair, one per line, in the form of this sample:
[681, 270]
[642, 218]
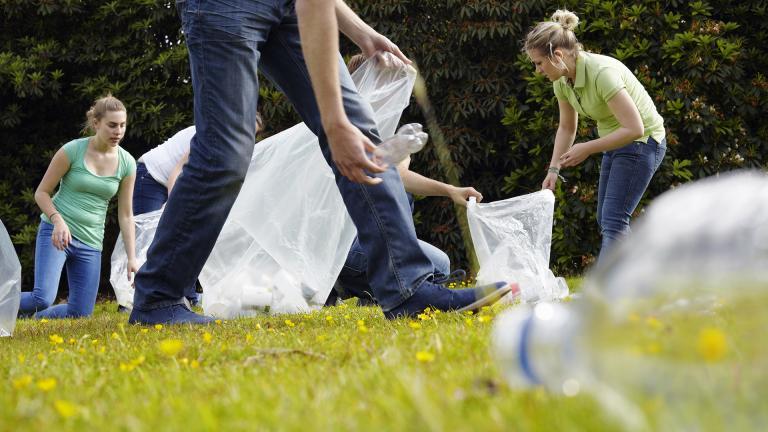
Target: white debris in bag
[10, 284]
[512, 240]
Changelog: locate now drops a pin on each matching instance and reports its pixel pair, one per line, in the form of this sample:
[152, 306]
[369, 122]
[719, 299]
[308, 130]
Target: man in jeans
[227, 45]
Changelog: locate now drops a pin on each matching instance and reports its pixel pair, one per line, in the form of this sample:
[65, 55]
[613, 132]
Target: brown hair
[99, 108]
[355, 62]
[547, 36]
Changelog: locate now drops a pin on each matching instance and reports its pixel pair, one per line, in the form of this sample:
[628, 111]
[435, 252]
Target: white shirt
[161, 160]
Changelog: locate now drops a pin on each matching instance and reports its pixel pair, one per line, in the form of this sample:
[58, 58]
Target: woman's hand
[61, 237]
[550, 181]
[460, 195]
[576, 155]
[132, 268]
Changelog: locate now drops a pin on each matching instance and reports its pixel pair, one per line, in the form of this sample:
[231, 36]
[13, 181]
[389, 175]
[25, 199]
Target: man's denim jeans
[624, 175]
[228, 43]
[83, 270]
[353, 278]
[150, 195]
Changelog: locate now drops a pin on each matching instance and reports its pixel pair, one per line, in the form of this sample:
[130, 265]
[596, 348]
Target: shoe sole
[491, 298]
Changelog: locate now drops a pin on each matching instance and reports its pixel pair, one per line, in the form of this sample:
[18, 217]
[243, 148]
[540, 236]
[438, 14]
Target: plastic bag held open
[512, 239]
[10, 283]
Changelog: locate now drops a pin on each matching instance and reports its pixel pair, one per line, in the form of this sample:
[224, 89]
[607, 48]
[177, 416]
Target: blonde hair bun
[567, 19]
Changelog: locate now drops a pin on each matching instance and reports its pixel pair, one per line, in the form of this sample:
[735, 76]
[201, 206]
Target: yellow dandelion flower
[144, 330]
[55, 339]
[194, 364]
[43, 320]
[469, 312]
[158, 326]
[423, 316]
[115, 336]
[40, 356]
[22, 358]
[414, 325]
[320, 338]
[81, 350]
[712, 344]
[347, 316]
[258, 326]
[66, 409]
[207, 337]
[94, 342]
[468, 321]
[425, 356]
[72, 341]
[329, 318]
[218, 322]
[46, 384]
[483, 318]
[22, 382]
[248, 338]
[289, 323]
[170, 347]
[654, 323]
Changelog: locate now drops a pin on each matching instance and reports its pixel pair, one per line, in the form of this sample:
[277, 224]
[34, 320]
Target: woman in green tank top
[89, 172]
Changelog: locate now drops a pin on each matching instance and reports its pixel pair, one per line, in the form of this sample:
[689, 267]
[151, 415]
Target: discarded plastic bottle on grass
[409, 139]
[668, 333]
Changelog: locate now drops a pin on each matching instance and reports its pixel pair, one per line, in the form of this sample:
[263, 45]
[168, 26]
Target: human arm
[43, 197]
[366, 38]
[417, 184]
[318, 28]
[630, 129]
[125, 220]
[176, 171]
[566, 134]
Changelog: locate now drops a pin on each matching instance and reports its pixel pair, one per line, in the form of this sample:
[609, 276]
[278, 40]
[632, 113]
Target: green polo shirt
[598, 79]
[83, 197]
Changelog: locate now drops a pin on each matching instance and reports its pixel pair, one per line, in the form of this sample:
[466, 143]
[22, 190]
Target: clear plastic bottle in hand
[410, 138]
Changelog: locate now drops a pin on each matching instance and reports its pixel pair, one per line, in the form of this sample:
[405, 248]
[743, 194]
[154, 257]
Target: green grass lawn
[341, 368]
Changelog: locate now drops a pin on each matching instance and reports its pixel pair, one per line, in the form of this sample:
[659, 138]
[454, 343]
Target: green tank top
[83, 197]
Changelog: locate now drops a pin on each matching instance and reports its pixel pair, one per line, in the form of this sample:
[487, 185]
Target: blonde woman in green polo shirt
[88, 172]
[631, 131]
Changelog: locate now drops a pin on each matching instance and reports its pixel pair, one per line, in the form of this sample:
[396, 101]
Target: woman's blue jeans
[150, 195]
[228, 45]
[83, 270]
[624, 176]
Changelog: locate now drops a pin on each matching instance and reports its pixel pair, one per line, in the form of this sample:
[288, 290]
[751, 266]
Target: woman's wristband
[556, 171]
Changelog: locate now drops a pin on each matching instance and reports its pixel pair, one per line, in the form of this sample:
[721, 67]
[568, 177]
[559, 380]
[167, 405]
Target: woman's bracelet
[556, 171]
[50, 218]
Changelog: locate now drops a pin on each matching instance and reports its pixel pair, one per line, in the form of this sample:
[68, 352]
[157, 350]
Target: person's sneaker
[456, 276]
[430, 295]
[173, 314]
[122, 309]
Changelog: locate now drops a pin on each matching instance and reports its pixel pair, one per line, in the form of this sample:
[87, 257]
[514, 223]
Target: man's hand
[460, 195]
[348, 148]
[374, 42]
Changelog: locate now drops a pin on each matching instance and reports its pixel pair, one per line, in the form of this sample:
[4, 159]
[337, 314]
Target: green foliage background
[703, 63]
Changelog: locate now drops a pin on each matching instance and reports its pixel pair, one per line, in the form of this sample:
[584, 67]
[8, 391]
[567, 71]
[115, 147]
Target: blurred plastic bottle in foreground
[408, 139]
[669, 334]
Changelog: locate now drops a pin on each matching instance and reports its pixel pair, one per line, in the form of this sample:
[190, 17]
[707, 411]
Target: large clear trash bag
[668, 335]
[288, 234]
[146, 225]
[512, 240]
[10, 283]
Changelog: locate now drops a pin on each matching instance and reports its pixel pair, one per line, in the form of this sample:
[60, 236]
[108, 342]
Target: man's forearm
[319, 31]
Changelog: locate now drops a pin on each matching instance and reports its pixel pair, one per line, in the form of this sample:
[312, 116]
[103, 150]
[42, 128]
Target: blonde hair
[557, 33]
[355, 62]
[99, 108]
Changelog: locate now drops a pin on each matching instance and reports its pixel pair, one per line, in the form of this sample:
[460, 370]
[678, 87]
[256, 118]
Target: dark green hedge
[702, 62]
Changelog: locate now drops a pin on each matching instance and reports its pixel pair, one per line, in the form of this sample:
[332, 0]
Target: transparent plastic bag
[10, 283]
[146, 225]
[512, 240]
[289, 233]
